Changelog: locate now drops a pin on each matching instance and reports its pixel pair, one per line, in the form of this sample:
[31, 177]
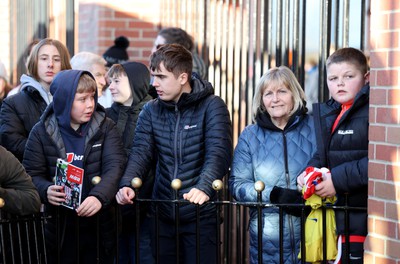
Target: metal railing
[22, 238]
[238, 40]
[241, 40]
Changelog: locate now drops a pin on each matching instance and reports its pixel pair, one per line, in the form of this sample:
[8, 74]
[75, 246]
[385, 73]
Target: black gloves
[281, 195]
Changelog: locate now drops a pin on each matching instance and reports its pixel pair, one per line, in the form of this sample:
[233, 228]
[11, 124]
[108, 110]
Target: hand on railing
[125, 195]
[195, 195]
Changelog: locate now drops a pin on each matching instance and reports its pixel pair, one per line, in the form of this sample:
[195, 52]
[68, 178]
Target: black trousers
[83, 245]
[187, 242]
[356, 255]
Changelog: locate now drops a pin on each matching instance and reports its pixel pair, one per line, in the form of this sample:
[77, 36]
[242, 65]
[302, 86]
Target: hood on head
[139, 80]
[63, 88]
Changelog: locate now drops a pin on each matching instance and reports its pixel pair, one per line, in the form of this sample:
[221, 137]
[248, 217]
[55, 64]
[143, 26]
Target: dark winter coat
[103, 156]
[19, 113]
[345, 152]
[193, 142]
[16, 188]
[126, 118]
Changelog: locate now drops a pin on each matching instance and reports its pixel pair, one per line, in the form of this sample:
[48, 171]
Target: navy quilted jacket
[276, 157]
[192, 140]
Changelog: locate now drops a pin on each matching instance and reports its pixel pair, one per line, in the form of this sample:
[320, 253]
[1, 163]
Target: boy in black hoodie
[75, 128]
[129, 86]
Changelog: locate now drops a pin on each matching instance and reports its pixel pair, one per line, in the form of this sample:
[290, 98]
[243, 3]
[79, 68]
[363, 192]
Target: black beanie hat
[117, 53]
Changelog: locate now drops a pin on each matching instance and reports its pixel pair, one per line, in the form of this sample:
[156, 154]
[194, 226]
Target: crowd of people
[113, 120]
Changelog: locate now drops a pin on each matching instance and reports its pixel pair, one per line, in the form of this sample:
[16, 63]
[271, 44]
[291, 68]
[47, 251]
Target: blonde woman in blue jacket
[273, 150]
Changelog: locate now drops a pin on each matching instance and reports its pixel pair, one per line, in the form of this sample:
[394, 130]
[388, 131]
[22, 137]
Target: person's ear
[366, 77]
[183, 78]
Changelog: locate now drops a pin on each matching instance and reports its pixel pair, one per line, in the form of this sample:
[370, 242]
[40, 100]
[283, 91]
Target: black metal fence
[22, 238]
[238, 39]
[30, 20]
[241, 39]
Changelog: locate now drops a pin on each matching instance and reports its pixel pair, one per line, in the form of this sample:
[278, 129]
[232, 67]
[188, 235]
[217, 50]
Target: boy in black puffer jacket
[342, 145]
[189, 130]
[75, 128]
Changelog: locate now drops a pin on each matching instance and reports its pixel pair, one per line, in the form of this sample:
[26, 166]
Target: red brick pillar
[383, 242]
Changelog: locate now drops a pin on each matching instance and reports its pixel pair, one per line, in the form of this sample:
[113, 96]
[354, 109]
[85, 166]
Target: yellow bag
[313, 230]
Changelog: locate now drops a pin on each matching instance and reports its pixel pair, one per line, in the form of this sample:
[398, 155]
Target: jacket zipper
[289, 218]
[176, 161]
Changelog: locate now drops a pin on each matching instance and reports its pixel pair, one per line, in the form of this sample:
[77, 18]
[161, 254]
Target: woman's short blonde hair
[278, 76]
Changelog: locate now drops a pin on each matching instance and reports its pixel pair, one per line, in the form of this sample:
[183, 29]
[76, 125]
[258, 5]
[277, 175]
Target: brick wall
[383, 242]
[100, 22]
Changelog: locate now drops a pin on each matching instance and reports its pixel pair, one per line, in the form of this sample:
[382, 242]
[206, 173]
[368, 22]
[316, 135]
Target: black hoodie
[63, 97]
[126, 116]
